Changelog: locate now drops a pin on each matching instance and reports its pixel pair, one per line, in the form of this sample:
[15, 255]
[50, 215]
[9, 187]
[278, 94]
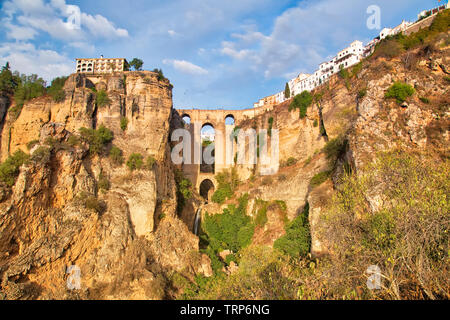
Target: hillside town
[346, 58]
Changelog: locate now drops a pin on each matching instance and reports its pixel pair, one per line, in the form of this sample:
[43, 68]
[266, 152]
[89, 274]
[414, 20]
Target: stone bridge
[205, 182]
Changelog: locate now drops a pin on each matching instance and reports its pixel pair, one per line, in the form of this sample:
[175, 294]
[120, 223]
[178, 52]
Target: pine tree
[287, 91]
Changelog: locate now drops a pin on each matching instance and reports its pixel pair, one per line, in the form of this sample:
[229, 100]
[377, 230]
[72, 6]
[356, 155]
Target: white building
[426, 13]
[308, 82]
[392, 32]
[346, 58]
[101, 65]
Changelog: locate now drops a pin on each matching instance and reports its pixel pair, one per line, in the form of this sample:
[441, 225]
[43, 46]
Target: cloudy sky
[217, 53]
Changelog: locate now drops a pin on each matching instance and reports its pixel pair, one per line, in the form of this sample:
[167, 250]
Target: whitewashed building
[346, 58]
[101, 65]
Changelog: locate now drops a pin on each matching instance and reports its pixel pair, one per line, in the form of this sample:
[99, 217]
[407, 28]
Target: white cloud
[59, 20]
[25, 57]
[186, 67]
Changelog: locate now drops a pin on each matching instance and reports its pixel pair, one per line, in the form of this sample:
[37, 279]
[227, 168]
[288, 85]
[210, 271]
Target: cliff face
[127, 240]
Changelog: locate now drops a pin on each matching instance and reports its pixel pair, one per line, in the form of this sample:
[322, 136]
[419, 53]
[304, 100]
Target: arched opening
[207, 189]
[229, 120]
[186, 118]
[208, 135]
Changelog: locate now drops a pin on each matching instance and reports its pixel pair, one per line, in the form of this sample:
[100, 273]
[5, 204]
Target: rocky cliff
[127, 239]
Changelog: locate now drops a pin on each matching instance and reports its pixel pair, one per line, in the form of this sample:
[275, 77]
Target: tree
[287, 91]
[137, 64]
[8, 82]
[301, 101]
[56, 90]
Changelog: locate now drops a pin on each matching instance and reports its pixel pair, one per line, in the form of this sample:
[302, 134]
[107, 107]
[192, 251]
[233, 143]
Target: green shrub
[297, 241]
[31, 144]
[425, 100]
[447, 78]
[281, 204]
[357, 69]
[29, 87]
[41, 155]
[302, 102]
[91, 202]
[123, 123]
[116, 155]
[231, 230]
[73, 141]
[343, 73]
[400, 92]
[315, 123]
[184, 190]
[320, 178]
[160, 75]
[97, 139]
[261, 215]
[222, 194]
[14, 111]
[227, 181]
[135, 161]
[103, 182]
[289, 162]
[149, 162]
[10, 169]
[56, 90]
[8, 81]
[362, 93]
[230, 258]
[102, 99]
[334, 149]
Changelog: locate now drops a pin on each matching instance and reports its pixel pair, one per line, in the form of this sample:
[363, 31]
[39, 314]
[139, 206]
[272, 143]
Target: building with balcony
[102, 65]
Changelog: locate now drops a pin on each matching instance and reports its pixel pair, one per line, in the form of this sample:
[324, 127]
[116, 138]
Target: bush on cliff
[56, 90]
[184, 190]
[10, 169]
[123, 123]
[302, 102]
[116, 155]
[97, 139]
[400, 92]
[135, 161]
[297, 241]
[227, 181]
[231, 230]
[102, 99]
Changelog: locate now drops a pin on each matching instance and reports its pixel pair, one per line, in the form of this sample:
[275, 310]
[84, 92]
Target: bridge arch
[230, 120]
[207, 137]
[186, 118]
[207, 189]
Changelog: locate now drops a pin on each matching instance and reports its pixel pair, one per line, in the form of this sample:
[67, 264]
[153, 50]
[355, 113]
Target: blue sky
[217, 54]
